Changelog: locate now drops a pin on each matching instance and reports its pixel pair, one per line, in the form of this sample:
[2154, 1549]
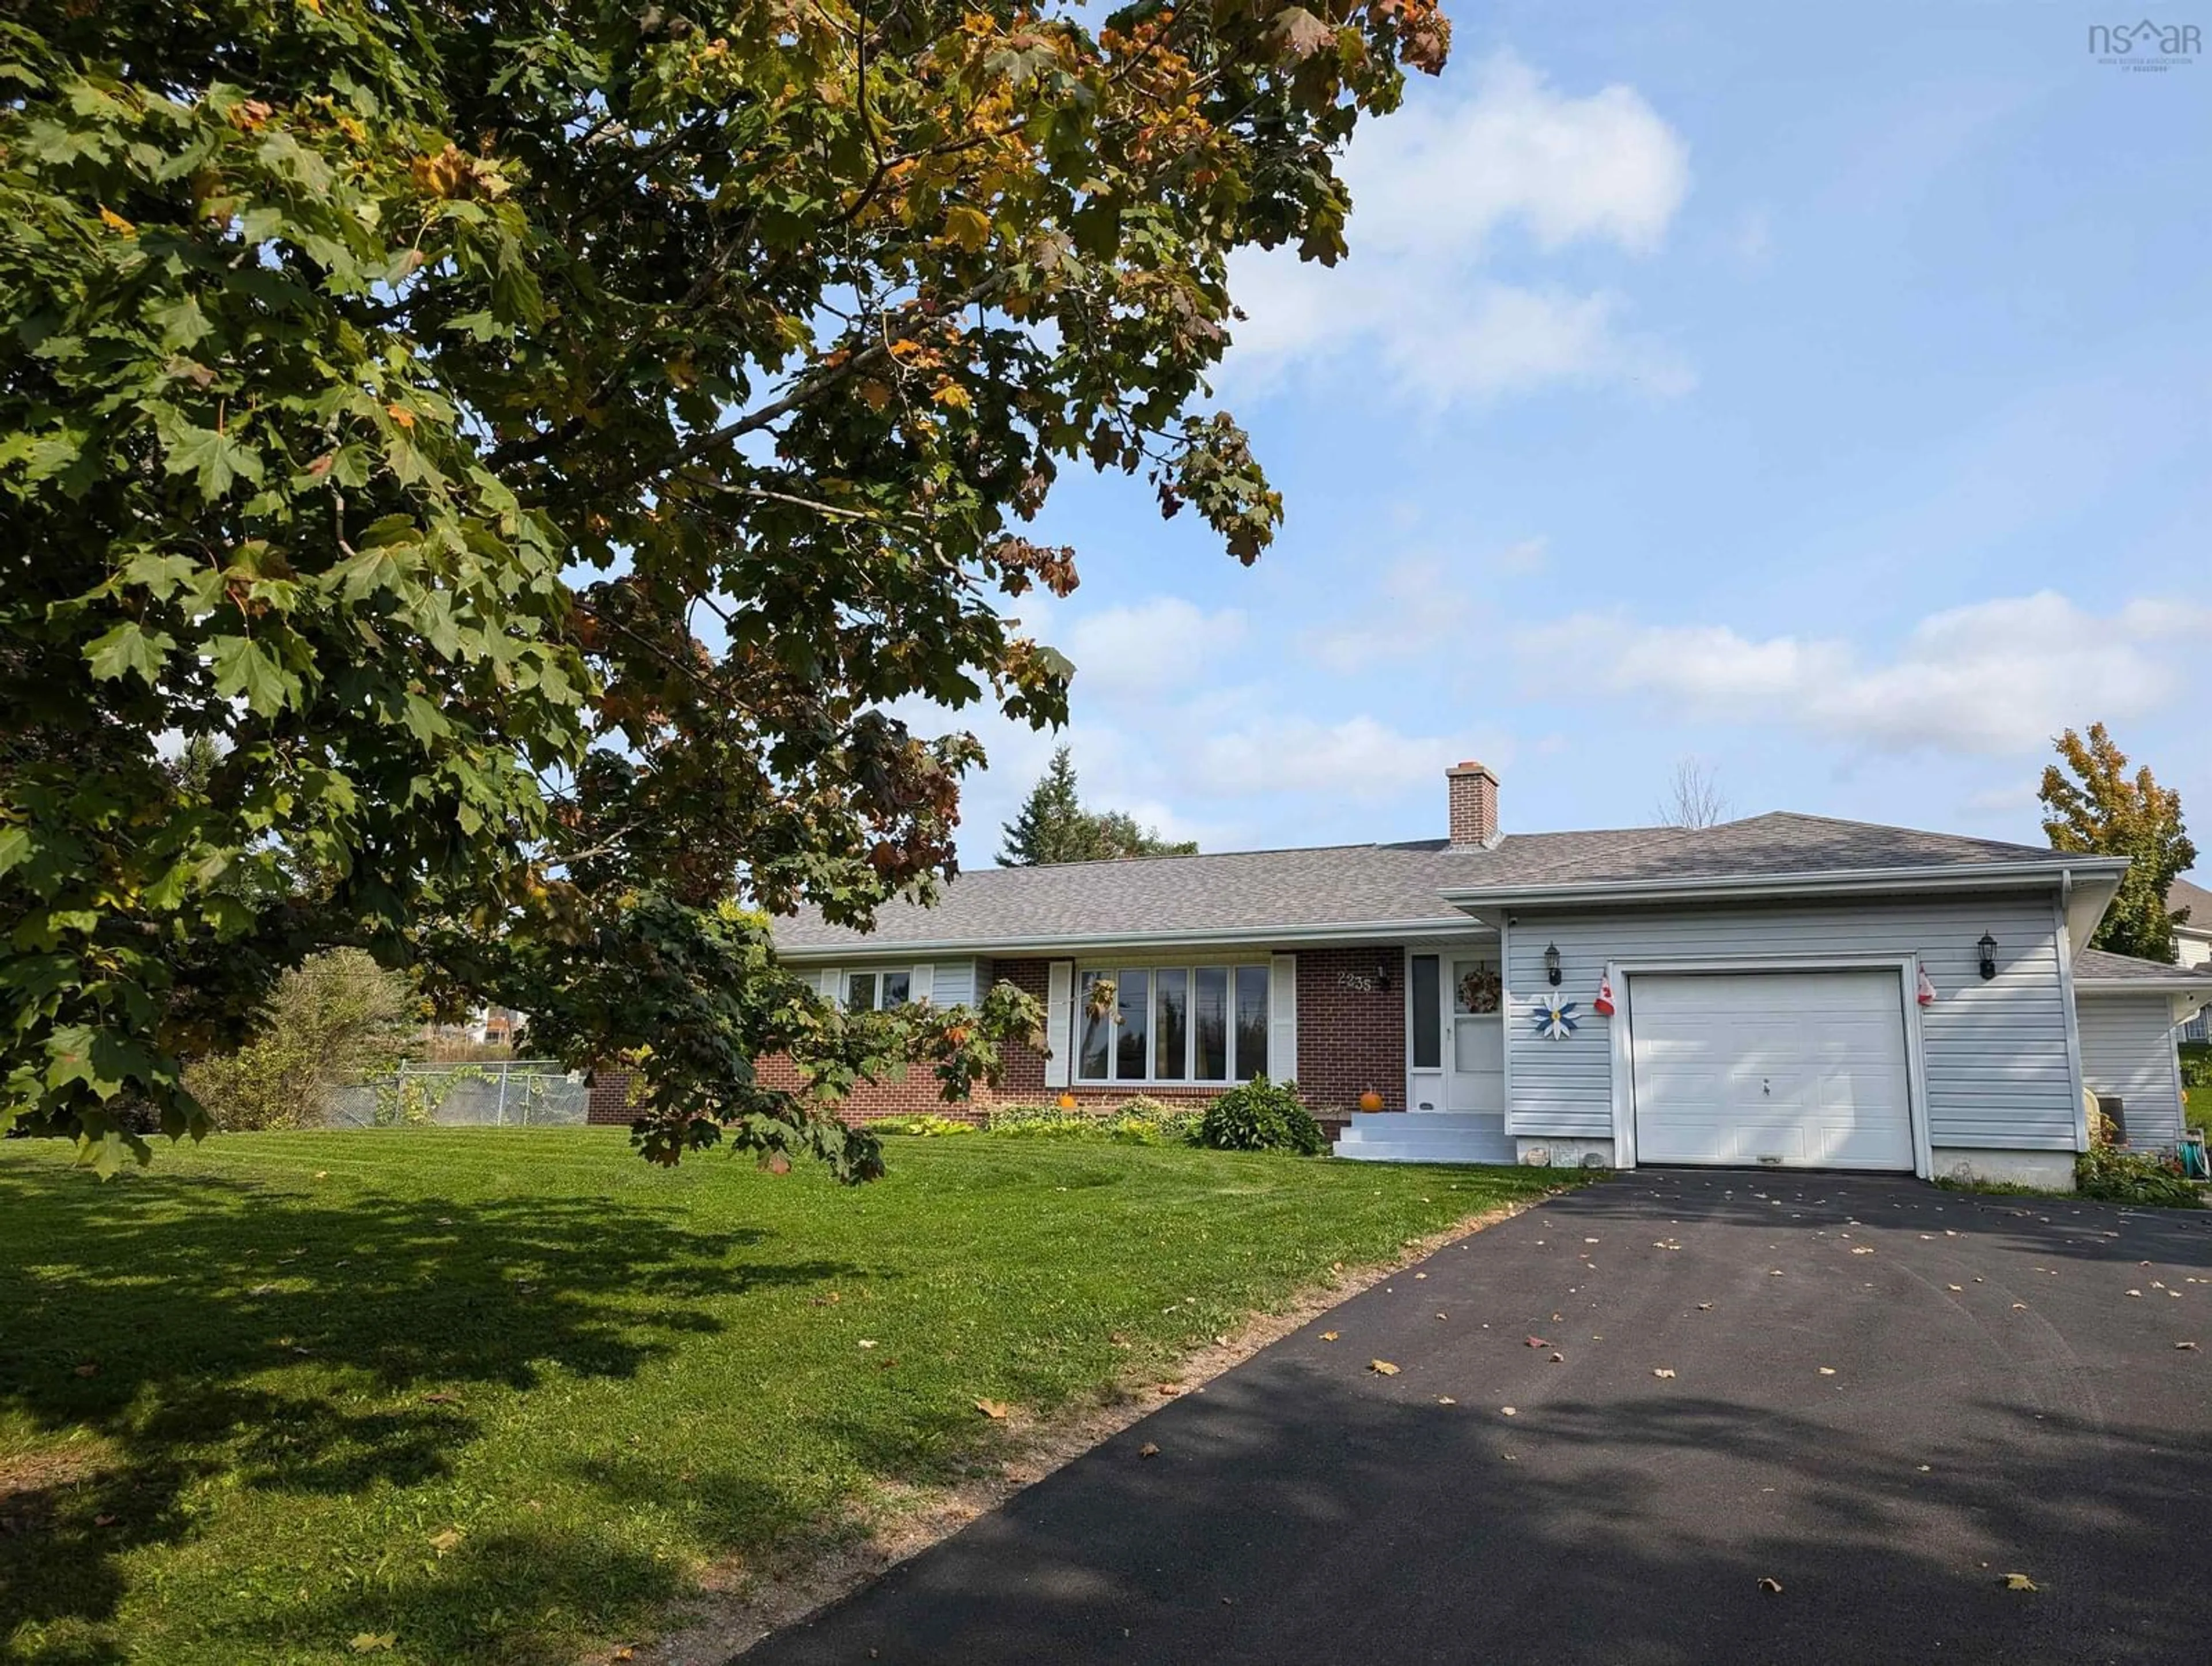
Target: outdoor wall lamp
[1551, 964]
[1383, 976]
[1988, 945]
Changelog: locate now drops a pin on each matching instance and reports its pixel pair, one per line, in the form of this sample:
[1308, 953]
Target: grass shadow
[307, 1344]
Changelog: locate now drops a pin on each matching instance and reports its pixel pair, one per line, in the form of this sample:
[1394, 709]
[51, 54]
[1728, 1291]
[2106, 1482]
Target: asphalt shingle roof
[2198, 901]
[1376, 884]
[2096, 966]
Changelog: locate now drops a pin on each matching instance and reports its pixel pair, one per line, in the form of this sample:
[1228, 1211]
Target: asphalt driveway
[1882, 1397]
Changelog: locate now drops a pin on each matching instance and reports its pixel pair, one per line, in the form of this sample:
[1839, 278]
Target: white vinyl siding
[1998, 1071]
[952, 983]
[2127, 1052]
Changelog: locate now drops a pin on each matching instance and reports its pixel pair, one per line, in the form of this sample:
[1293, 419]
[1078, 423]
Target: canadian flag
[1925, 994]
[1603, 1005]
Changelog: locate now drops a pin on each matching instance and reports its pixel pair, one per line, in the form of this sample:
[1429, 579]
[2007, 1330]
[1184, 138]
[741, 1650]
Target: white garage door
[1802, 1069]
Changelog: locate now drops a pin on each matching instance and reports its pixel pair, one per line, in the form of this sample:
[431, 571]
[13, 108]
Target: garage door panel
[1801, 1069]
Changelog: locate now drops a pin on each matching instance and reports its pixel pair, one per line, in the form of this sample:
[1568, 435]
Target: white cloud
[1145, 651]
[1431, 187]
[1528, 555]
[1996, 678]
[1418, 602]
[1352, 757]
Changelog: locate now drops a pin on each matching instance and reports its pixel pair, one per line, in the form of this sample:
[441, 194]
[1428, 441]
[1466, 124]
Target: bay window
[1171, 1023]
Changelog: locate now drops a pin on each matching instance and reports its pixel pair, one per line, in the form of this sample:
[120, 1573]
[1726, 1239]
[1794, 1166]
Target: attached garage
[1789, 1069]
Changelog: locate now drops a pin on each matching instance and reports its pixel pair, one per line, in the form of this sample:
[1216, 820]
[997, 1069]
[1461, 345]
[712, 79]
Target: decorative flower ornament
[1555, 1019]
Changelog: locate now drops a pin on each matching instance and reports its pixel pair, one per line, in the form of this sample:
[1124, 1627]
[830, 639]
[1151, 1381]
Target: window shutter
[1059, 1009]
[1283, 1018]
[924, 983]
[825, 982]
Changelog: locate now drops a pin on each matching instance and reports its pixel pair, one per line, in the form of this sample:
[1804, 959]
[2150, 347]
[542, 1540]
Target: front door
[1477, 1061]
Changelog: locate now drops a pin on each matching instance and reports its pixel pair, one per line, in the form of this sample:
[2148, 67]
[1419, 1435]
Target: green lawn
[503, 1394]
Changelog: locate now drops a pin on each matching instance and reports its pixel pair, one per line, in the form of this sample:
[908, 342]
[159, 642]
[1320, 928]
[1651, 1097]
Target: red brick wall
[606, 1099]
[1349, 1041]
[1352, 1040]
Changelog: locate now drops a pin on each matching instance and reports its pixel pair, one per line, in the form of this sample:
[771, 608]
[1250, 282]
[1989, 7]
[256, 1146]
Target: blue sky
[1824, 393]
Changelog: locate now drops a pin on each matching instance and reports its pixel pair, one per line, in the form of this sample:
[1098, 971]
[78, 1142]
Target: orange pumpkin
[1371, 1100]
[1067, 1102]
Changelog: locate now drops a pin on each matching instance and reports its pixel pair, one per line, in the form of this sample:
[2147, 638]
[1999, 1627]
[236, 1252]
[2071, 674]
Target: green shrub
[927, 1127]
[2197, 1064]
[1261, 1115]
[336, 1017]
[1142, 1121]
[2134, 1177]
[1044, 1122]
[1138, 1122]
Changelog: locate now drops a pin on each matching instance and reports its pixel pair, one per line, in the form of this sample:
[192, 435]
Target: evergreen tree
[1053, 826]
[2102, 809]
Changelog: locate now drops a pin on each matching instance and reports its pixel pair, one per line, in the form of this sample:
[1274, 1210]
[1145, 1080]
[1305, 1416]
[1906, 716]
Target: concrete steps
[1427, 1136]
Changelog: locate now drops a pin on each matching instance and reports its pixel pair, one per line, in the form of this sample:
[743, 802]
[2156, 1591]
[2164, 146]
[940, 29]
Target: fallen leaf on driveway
[1773, 1585]
[1960, 1288]
[1827, 1370]
[1507, 1411]
[2020, 1307]
[2135, 1293]
[1329, 1335]
[2019, 1582]
[1446, 1400]
[1705, 1307]
[2188, 1347]
[1559, 1358]
[1148, 1451]
[1382, 1368]
[1538, 1342]
[994, 1408]
[1663, 1371]
[1421, 1275]
[1444, 1316]
[1861, 1250]
[1773, 1272]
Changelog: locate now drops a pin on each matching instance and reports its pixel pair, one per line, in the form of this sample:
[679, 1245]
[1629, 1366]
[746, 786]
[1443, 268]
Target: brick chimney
[1473, 793]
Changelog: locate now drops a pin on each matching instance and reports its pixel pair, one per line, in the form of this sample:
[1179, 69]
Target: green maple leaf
[243, 666]
[219, 460]
[129, 647]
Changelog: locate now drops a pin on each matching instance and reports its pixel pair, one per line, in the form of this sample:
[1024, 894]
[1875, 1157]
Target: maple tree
[534, 441]
[2094, 804]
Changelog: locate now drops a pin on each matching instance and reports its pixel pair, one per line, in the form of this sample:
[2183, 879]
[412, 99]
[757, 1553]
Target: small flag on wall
[1925, 994]
[1603, 1005]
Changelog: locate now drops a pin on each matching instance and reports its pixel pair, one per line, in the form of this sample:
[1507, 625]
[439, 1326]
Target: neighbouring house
[2193, 941]
[1786, 990]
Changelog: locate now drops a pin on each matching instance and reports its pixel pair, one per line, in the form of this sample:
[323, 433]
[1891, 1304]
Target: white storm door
[1787, 1069]
[1476, 1047]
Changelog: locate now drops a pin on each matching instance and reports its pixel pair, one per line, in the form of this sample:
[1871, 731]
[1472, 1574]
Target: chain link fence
[495, 1093]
